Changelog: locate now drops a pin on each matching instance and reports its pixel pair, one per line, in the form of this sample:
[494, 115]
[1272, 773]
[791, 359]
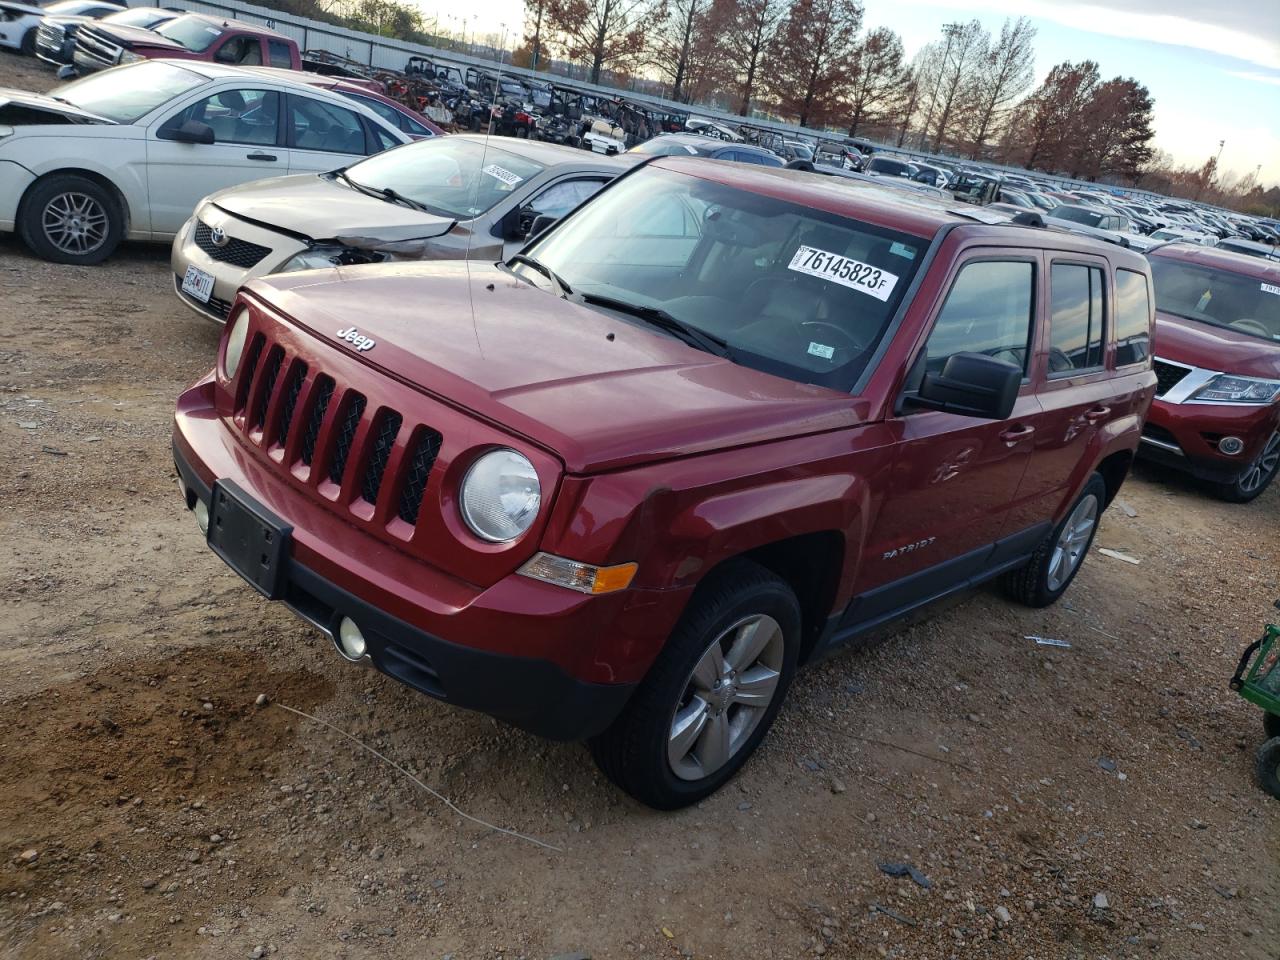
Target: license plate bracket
[249, 538]
[197, 283]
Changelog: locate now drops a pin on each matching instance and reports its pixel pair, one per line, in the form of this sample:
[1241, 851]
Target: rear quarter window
[1133, 318]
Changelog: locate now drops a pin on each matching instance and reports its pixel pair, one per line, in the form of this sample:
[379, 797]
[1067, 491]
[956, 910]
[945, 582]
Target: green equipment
[1259, 683]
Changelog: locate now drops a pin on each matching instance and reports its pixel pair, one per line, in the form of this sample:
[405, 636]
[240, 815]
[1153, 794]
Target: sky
[1212, 66]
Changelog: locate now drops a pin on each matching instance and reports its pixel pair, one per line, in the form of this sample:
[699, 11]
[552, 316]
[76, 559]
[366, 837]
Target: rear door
[246, 128]
[323, 135]
[954, 478]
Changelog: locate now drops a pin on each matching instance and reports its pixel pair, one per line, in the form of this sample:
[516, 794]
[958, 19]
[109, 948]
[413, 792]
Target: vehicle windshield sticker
[821, 350]
[1271, 288]
[214, 31]
[853, 274]
[902, 250]
[1203, 303]
[503, 174]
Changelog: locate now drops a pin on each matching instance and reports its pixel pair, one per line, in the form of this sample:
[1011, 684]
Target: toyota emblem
[218, 237]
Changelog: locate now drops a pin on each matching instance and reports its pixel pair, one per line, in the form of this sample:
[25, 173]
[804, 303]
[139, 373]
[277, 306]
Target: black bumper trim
[533, 694]
[1209, 470]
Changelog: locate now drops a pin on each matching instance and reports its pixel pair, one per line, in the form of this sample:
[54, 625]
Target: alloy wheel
[1072, 542]
[75, 223]
[1262, 468]
[726, 696]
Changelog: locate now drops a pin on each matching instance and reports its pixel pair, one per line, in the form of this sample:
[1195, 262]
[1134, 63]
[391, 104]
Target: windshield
[1089, 218]
[125, 94]
[1218, 297]
[450, 176]
[791, 290]
[195, 33]
[138, 17]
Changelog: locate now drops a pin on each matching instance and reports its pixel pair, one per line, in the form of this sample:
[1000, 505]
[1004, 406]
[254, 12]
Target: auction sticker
[1271, 288]
[503, 174]
[842, 270]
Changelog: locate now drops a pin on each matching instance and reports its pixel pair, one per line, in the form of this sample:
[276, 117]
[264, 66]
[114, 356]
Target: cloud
[1256, 76]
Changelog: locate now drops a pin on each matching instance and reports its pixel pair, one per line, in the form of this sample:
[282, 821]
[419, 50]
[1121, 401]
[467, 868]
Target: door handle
[260, 156]
[1094, 414]
[1015, 433]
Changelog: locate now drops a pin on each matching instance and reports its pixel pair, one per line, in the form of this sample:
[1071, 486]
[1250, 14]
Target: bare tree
[603, 33]
[1004, 75]
[965, 47]
[908, 101]
[674, 42]
[746, 29]
[876, 78]
[810, 57]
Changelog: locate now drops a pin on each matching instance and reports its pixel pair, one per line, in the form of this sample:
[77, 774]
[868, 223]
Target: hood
[67, 20]
[1215, 348]
[133, 37]
[547, 369]
[26, 8]
[23, 108]
[319, 208]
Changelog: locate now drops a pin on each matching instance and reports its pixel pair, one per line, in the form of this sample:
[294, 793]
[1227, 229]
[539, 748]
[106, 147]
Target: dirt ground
[1089, 802]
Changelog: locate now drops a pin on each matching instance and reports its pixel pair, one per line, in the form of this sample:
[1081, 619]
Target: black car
[882, 166]
[696, 145]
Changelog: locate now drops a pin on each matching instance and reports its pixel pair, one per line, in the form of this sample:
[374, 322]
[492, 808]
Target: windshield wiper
[563, 290]
[380, 193]
[395, 197]
[657, 317]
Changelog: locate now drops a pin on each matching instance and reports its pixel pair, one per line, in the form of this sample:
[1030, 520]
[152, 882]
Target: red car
[1216, 414]
[415, 124]
[714, 424]
[192, 36]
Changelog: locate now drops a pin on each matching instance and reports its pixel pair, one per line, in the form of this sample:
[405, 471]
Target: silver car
[447, 198]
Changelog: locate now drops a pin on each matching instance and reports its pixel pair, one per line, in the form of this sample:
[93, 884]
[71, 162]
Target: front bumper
[1185, 436]
[228, 274]
[527, 652]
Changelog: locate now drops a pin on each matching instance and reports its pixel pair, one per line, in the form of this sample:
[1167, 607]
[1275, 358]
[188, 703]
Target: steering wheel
[1059, 362]
[841, 334]
[1251, 326]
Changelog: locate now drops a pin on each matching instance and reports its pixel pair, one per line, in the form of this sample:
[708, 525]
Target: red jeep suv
[1217, 409]
[712, 425]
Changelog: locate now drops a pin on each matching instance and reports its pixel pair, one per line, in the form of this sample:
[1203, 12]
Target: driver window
[236, 116]
[558, 199]
[988, 310]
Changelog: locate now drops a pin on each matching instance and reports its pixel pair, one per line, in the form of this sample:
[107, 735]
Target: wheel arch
[1114, 468]
[92, 175]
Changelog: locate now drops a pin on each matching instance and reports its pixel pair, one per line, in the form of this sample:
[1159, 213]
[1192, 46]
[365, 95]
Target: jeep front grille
[238, 253]
[1168, 376]
[326, 434]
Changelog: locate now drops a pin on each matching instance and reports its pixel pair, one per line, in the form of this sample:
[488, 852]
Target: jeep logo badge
[218, 237]
[357, 339]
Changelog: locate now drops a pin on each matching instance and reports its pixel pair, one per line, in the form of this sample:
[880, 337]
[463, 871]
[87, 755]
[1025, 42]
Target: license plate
[249, 538]
[198, 284]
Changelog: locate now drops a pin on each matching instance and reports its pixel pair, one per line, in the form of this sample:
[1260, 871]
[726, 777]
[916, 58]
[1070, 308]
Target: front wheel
[1046, 576]
[28, 46]
[711, 695]
[70, 219]
[1256, 477]
[1267, 766]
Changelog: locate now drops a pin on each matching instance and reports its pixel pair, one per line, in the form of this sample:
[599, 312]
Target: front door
[246, 131]
[955, 478]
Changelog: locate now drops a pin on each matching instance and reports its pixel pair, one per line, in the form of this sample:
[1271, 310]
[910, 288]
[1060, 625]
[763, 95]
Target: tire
[78, 201]
[1256, 477]
[636, 752]
[1041, 581]
[1271, 723]
[1267, 766]
[28, 46]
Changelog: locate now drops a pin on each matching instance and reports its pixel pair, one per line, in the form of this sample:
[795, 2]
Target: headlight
[235, 342]
[128, 56]
[500, 496]
[1226, 388]
[316, 258]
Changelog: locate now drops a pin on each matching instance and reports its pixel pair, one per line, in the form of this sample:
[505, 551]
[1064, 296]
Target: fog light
[350, 640]
[1230, 445]
[202, 516]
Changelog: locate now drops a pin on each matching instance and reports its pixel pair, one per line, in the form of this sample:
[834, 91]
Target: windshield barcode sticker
[503, 174]
[1271, 288]
[842, 270]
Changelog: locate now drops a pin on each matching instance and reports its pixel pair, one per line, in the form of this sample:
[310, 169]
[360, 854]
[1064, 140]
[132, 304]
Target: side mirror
[193, 131]
[972, 385]
[541, 223]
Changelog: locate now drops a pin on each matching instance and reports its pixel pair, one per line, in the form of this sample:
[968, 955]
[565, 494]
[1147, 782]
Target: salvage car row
[608, 447]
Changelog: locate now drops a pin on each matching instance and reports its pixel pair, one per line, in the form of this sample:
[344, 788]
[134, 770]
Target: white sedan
[19, 21]
[129, 152]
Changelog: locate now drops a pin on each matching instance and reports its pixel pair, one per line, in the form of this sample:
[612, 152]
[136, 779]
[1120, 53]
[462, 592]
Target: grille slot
[297, 375]
[238, 253]
[1168, 376]
[346, 434]
[248, 370]
[275, 359]
[384, 439]
[414, 485]
[323, 393]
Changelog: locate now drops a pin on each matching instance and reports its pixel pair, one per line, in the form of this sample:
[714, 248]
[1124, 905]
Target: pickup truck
[193, 36]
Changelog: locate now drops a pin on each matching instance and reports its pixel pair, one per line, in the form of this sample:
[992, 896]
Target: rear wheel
[1053, 566]
[1256, 477]
[1271, 723]
[712, 694]
[70, 219]
[1267, 766]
